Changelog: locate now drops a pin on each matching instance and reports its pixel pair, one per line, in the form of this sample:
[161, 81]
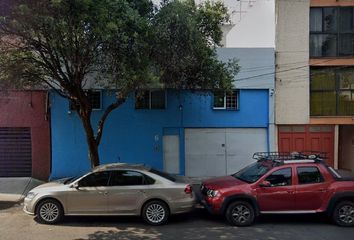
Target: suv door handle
[104, 193]
[290, 191]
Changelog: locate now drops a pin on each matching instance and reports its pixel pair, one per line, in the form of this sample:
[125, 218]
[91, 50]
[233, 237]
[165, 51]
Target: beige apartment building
[314, 80]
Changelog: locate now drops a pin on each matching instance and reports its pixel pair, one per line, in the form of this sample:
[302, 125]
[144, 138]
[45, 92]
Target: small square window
[95, 99]
[142, 99]
[154, 99]
[226, 100]
[158, 99]
[219, 99]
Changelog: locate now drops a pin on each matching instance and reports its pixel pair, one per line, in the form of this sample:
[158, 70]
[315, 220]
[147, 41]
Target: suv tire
[240, 214]
[343, 214]
[155, 213]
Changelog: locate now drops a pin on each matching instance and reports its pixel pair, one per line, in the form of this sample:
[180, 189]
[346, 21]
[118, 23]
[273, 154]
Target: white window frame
[237, 93]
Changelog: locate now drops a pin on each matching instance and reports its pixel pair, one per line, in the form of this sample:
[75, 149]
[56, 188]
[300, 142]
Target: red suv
[278, 183]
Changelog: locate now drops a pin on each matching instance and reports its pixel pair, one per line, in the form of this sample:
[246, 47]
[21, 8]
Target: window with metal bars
[226, 100]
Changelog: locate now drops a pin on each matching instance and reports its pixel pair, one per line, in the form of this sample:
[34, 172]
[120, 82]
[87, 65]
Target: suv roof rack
[291, 157]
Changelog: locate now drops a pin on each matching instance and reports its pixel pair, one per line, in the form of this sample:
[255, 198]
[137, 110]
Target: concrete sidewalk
[15, 189]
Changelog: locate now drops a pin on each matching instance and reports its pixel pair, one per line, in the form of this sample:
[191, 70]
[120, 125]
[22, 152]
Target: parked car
[113, 189]
[281, 183]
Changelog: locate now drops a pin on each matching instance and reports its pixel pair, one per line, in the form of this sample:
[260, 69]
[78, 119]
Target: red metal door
[307, 138]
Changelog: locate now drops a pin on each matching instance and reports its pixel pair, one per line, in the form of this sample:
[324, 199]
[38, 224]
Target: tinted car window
[254, 171]
[95, 179]
[129, 178]
[163, 174]
[308, 175]
[281, 177]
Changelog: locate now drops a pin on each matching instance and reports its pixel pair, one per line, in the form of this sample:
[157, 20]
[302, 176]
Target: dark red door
[311, 188]
[307, 138]
[280, 196]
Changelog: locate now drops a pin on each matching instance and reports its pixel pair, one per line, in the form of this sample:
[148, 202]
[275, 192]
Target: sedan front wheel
[49, 211]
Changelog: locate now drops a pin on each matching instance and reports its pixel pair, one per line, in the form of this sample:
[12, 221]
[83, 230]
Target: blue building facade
[189, 136]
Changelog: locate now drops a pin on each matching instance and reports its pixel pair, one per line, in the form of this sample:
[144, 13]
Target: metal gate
[221, 151]
[15, 152]
[307, 138]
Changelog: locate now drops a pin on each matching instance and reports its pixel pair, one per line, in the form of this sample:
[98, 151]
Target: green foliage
[74, 45]
[186, 37]
[65, 44]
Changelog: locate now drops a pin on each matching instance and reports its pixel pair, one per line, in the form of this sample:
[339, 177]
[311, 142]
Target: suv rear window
[162, 174]
[308, 175]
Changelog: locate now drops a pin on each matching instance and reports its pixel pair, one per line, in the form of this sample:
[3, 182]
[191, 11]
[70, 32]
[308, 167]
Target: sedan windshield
[70, 180]
[253, 172]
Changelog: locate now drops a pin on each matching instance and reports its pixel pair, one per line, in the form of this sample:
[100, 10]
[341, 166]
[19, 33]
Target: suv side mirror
[265, 184]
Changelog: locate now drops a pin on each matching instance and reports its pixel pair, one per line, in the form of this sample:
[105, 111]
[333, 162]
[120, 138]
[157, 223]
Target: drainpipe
[336, 145]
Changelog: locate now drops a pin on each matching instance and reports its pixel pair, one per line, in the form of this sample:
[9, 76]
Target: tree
[71, 46]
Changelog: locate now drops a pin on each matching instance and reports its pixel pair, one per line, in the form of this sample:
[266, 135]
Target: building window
[332, 31]
[226, 100]
[150, 99]
[332, 91]
[95, 99]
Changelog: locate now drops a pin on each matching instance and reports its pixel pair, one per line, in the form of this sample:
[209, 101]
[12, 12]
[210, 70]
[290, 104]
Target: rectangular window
[331, 31]
[332, 91]
[95, 99]
[280, 178]
[150, 99]
[309, 175]
[226, 100]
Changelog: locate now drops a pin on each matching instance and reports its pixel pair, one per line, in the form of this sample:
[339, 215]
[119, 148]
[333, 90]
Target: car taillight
[188, 189]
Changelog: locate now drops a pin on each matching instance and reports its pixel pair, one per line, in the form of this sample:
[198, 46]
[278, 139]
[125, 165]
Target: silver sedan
[113, 189]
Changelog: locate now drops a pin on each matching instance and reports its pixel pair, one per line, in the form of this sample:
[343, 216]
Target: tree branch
[109, 109]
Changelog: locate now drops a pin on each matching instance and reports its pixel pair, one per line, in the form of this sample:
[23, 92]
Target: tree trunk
[91, 141]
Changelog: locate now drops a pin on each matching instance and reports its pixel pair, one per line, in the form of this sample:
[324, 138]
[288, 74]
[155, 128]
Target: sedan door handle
[290, 191]
[104, 193]
[322, 190]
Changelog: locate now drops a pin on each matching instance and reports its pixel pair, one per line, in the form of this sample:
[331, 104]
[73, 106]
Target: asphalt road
[15, 225]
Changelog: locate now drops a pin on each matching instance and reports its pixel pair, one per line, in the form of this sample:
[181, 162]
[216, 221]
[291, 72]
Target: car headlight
[31, 195]
[212, 193]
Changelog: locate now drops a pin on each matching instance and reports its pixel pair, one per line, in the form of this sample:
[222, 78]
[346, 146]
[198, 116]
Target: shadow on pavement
[200, 225]
[189, 227]
[5, 205]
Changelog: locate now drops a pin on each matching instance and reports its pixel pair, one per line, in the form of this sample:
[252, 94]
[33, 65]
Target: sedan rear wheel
[155, 212]
[49, 211]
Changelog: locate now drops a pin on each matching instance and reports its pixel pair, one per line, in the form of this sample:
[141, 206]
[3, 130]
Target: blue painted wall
[135, 136]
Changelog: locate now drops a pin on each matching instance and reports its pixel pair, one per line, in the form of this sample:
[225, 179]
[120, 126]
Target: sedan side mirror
[265, 184]
[75, 185]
